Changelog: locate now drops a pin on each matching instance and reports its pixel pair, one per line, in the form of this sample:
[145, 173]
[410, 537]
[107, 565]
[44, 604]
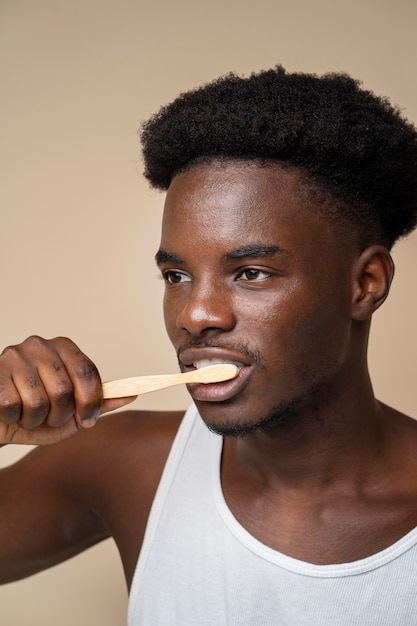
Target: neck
[318, 446]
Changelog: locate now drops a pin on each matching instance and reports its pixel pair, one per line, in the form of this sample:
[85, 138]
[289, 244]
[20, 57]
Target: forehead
[227, 202]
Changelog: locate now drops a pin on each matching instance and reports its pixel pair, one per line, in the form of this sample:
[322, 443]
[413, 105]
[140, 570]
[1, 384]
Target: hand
[49, 390]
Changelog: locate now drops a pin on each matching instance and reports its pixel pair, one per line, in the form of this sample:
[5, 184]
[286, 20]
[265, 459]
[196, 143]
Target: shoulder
[99, 483]
[126, 441]
[400, 449]
[129, 452]
[159, 426]
[140, 437]
[116, 445]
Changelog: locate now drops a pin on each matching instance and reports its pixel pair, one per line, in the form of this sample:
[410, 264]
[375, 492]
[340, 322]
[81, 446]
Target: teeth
[206, 362]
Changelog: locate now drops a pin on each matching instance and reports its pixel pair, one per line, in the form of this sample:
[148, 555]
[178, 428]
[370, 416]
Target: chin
[285, 416]
[277, 418]
[302, 411]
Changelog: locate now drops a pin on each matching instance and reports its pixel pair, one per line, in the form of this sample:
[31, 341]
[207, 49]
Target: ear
[373, 274]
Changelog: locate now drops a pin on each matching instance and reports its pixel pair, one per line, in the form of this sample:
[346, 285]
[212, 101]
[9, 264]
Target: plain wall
[79, 225]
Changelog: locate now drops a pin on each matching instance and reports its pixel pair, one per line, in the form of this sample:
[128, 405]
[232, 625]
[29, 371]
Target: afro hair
[354, 145]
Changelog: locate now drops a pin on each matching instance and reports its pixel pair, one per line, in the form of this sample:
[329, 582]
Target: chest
[337, 528]
[196, 542]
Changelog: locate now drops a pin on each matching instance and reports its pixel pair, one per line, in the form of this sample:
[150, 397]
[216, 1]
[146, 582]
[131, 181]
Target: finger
[86, 383]
[35, 404]
[10, 401]
[43, 435]
[25, 400]
[115, 403]
[51, 381]
[60, 392]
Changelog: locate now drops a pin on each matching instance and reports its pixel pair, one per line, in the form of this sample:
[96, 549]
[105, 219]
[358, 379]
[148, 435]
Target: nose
[206, 308]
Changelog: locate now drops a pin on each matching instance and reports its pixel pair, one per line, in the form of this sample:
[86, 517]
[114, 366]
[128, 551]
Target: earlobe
[373, 274]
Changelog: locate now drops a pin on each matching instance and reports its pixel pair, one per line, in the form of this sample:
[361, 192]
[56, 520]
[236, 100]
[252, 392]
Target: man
[285, 193]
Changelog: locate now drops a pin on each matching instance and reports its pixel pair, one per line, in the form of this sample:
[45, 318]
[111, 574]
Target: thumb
[111, 404]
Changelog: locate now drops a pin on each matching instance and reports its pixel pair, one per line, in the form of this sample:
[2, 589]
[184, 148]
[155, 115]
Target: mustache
[252, 354]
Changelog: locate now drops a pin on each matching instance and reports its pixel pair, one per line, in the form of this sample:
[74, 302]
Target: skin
[254, 273]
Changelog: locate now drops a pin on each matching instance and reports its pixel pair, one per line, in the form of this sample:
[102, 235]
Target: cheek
[295, 330]
[170, 308]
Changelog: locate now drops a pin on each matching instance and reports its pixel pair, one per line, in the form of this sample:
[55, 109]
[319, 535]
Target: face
[254, 276]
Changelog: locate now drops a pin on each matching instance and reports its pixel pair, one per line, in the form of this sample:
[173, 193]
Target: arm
[49, 391]
[60, 499]
[45, 518]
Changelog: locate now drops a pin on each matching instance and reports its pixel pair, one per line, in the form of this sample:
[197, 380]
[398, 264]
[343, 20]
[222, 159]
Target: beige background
[79, 225]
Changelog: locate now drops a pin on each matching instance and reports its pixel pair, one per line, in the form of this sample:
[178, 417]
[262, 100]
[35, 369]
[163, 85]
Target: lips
[197, 358]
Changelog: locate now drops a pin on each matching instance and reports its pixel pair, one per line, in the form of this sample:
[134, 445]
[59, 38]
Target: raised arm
[49, 390]
[46, 516]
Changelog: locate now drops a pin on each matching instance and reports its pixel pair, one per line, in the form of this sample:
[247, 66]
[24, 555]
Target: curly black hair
[348, 142]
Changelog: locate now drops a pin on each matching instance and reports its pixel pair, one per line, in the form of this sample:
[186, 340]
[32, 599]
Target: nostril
[197, 319]
[203, 306]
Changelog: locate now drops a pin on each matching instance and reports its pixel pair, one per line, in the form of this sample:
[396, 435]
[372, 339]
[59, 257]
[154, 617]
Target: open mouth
[213, 361]
[221, 391]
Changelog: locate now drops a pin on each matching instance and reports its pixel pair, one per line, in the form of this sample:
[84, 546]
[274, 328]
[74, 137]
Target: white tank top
[200, 567]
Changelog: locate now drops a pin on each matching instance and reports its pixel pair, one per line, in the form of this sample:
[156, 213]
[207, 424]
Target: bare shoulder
[122, 452]
[401, 440]
[99, 483]
[133, 444]
[132, 449]
[399, 423]
[135, 431]
[126, 449]
[118, 439]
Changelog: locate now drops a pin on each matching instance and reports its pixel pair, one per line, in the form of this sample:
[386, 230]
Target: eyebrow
[254, 250]
[163, 256]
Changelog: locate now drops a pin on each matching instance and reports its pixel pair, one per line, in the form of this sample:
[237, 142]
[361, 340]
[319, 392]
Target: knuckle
[62, 396]
[85, 370]
[91, 406]
[34, 340]
[10, 352]
[39, 407]
[88, 407]
[10, 403]
[32, 345]
[11, 411]
[34, 410]
[16, 352]
[62, 343]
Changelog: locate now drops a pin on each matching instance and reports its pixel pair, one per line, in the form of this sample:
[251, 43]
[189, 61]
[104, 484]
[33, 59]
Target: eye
[174, 277]
[252, 274]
